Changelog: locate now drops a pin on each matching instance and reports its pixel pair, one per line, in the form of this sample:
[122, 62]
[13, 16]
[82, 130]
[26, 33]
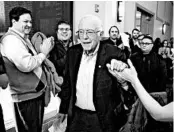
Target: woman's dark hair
[16, 12]
[157, 42]
[164, 42]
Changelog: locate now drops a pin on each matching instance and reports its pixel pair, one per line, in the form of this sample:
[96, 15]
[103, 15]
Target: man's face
[113, 33]
[24, 24]
[63, 32]
[165, 43]
[88, 34]
[146, 45]
[135, 34]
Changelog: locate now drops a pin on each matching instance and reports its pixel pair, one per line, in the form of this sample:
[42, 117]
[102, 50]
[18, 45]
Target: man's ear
[13, 21]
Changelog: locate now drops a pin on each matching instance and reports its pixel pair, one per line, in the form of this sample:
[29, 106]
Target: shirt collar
[21, 34]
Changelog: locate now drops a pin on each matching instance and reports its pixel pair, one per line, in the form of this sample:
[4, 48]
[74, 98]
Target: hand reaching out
[115, 67]
[129, 74]
[47, 45]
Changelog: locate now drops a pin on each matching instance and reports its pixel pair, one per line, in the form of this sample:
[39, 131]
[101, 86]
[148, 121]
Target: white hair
[96, 21]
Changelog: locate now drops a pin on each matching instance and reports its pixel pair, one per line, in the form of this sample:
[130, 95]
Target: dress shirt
[17, 52]
[136, 43]
[84, 86]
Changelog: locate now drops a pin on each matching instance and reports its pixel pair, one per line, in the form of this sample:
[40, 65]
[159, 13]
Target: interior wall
[165, 12]
[107, 12]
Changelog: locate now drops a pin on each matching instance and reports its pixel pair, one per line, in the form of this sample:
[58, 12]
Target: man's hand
[47, 45]
[116, 65]
[116, 74]
[129, 74]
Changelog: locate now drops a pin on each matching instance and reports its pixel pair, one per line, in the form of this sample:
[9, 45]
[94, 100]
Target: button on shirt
[84, 86]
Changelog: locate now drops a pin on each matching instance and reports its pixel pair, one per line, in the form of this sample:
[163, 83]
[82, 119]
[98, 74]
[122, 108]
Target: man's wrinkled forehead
[90, 22]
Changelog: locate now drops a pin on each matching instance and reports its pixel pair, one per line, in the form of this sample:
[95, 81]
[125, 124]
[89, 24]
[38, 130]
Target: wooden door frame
[145, 10]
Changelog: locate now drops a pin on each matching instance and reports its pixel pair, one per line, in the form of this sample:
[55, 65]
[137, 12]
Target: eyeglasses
[114, 31]
[141, 43]
[88, 32]
[64, 29]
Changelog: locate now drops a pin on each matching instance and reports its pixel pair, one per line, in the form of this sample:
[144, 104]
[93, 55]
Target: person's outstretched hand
[115, 67]
[47, 45]
[129, 74]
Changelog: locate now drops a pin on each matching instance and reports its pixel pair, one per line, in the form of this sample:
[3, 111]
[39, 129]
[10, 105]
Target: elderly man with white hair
[90, 95]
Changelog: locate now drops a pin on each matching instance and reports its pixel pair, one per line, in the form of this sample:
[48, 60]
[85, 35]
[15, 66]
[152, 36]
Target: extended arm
[158, 112]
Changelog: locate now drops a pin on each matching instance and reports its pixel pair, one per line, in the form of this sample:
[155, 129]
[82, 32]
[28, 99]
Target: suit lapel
[75, 63]
[100, 63]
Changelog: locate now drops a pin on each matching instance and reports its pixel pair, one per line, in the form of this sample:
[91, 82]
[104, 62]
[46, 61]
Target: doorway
[144, 21]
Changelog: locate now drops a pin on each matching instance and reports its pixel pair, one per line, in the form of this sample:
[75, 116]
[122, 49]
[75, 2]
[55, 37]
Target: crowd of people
[98, 86]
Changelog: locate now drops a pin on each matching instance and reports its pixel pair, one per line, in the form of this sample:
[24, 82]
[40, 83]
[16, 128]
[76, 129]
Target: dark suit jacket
[134, 48]
[106, 94]
[151, 70]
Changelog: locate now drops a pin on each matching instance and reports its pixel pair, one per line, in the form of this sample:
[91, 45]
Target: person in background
[134, 43]
[114, 37]
[62, 43]
[119, 40]
[90, 95]
[151, 68]
[157, 45]
[27, 81]
[165, 52]
[158, 112]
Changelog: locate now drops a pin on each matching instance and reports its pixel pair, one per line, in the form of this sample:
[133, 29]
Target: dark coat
[58, 57]
[106, 94]
[151, 71]
[118, 42]
[109, 41]
[134, 48]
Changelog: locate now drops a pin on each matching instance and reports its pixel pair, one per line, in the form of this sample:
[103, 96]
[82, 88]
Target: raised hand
[129, 74]
[47, 45]
[115, 67]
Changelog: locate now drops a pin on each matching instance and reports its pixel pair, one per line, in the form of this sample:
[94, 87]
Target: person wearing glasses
[150, 66]
[90, 95]
[151, 69]
[62, 43]
[157, 111]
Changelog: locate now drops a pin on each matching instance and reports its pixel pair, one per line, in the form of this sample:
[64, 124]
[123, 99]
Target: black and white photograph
[86, 66]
